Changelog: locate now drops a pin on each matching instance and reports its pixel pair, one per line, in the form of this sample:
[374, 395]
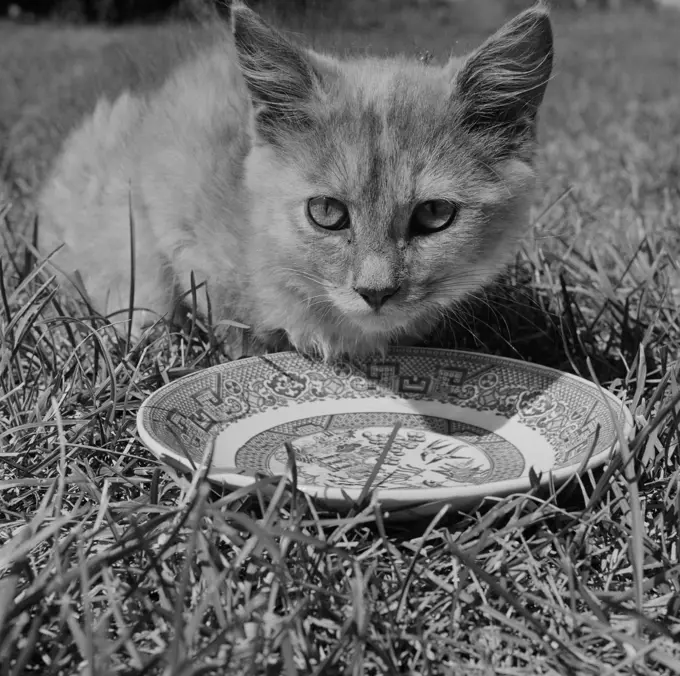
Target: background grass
[113, 564]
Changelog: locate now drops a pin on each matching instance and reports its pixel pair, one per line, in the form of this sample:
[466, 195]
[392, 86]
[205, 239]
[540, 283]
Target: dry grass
[112, 564]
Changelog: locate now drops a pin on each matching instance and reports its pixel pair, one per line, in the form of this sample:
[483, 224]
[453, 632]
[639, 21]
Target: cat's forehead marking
[385, 134]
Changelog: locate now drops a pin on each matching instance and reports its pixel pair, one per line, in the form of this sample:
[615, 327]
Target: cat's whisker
[495, 303]
[305, 274]
[319, 300]
[462, 316]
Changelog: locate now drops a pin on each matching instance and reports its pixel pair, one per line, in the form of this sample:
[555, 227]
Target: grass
[113, 564]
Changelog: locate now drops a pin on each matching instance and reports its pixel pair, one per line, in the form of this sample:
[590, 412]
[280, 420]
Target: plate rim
[404, 496]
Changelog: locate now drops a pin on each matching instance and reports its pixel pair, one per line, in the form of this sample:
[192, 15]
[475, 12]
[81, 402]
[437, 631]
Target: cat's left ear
[500, 86]
[282, 77]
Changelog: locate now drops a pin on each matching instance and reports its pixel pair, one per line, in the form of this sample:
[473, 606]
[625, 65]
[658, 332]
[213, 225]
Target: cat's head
[389, 189]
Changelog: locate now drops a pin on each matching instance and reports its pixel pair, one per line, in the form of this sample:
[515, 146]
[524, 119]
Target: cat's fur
[217, 164]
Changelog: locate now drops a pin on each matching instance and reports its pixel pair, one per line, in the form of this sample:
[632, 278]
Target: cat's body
[341, 205]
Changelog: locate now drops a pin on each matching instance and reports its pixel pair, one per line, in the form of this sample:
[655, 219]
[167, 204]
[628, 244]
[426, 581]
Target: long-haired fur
[220, 159]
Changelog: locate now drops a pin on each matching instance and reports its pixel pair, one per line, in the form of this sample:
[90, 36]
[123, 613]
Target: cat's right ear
[281, 77]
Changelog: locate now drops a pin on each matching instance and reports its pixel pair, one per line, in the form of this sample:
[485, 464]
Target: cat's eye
[328, 213]
[433, 216]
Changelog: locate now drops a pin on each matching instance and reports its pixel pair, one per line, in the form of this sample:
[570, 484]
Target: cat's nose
[376, 297]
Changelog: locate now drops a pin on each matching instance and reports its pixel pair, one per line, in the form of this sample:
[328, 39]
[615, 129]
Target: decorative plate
[472, 425]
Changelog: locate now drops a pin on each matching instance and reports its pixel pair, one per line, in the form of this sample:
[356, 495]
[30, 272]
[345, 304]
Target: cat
[332, 205]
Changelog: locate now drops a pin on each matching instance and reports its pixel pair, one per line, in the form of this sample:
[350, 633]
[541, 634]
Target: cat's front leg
[153, 298]
[237, 342]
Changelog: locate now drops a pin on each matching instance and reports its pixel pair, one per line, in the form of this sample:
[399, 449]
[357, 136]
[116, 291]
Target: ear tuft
[278, 73]
[503, 82]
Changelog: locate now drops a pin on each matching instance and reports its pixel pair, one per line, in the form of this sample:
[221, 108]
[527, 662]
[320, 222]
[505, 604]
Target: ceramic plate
[472, 425]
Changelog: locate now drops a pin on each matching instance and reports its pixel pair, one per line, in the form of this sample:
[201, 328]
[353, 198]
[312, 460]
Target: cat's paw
[143, 323]
[236, 342]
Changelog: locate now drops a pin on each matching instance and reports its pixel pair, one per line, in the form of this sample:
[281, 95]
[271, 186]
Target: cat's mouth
[389, 316]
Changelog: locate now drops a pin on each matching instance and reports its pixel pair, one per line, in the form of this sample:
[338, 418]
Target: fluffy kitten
[341, 204]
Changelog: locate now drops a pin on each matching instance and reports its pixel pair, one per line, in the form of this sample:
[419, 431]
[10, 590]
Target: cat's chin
[334, 348]
[373, 323]
[387, 320]
[388, 323]
[357, 336]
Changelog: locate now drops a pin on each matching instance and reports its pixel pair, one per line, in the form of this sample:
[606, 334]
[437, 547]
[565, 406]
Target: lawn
[113, 564]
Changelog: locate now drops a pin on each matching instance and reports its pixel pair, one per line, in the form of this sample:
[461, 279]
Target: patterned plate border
[178, 420]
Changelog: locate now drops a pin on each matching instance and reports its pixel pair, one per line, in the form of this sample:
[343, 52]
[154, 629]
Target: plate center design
[416, 458]
[341, 451]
